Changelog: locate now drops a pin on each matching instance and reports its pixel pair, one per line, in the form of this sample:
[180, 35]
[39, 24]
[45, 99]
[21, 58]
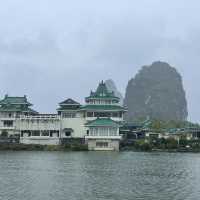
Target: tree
[4, 134]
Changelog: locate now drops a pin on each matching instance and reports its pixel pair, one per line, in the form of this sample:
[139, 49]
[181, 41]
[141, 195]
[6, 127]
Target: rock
[112, 87]
[156, 92]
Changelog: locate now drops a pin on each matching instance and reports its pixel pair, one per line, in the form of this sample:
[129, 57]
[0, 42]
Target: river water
[99, 175]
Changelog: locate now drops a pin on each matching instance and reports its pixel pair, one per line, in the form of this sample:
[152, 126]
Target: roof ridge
[70, 100]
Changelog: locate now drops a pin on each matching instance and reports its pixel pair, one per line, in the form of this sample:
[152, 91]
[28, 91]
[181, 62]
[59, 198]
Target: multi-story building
[97, 122]
[11, 109]
[104, 116]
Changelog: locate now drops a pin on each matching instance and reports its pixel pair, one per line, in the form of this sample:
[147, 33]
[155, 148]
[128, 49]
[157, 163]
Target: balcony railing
[46, 116]
[118, 137]
[7, 127]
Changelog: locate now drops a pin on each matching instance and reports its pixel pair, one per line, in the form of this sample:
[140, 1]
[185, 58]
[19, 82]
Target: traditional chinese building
[11, 108]
[104, 116]
[96, 123]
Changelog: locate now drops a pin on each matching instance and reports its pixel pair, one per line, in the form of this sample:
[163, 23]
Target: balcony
[119, 119]
[41, 116]
[117, 137]
[41, 138]
[7, 127]
[8, 118]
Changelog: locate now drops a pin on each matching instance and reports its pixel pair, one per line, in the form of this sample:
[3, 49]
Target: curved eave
[5, 103]
[117, 125]
[65, 104]
[58, 109]
[104, 110]
[102, 123]
[99, 108]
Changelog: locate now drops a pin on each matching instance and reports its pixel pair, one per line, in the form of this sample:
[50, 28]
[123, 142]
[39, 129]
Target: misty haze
[50, 50]
[99, 100]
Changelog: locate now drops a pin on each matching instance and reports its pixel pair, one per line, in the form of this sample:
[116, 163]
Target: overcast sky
[55, 49]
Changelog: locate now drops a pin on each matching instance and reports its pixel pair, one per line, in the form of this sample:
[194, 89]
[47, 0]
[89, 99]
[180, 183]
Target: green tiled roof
[63, 108]
[69, 102]
[15, 104]
[103, 122]
[103, 107]
[102, 92]
[14, 100]
[15, 109]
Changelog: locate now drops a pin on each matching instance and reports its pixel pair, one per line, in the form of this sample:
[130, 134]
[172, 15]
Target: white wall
[53, 124]
[77, 124]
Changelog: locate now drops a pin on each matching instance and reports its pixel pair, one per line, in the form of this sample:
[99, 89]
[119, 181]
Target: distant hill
[112, 87]
[156, 92]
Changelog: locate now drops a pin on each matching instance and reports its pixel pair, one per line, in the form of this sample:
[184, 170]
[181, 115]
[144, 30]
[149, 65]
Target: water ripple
[99, 176]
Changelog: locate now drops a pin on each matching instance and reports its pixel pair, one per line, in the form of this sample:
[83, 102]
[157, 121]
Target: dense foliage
[162, 144]
[160, 125]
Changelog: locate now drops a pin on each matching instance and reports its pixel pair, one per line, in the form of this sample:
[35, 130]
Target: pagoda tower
[104, 116]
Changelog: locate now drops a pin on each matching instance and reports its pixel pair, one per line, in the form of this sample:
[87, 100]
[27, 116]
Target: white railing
[7, 127]
[113, 118]
[50, 116]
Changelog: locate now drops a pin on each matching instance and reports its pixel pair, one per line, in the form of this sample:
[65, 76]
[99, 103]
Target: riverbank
[162, 145]
[178, 150]
[37, 147]
[83, 147]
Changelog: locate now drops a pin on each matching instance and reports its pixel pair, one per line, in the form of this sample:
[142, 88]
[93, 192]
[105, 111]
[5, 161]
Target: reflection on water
[99, 175]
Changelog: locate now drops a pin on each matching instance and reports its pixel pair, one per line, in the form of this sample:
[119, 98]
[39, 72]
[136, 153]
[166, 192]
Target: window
[102, 144]
[89, 114]
[69, 115]
[113, 132]
[45, 133]
[115, 114]
[35, 133]
[103, 131]
[25, 133]
[8, 123]
[54, 133]
[67, 133]
[93, 131]
[102, 114]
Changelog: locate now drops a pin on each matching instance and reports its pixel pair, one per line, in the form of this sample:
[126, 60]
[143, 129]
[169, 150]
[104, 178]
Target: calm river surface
[99, 175]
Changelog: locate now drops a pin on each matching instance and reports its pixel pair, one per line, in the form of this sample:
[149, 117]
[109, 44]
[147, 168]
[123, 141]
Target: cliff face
[156, 92]
[112, 87]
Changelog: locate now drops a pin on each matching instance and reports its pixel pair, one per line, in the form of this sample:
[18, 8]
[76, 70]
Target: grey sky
[51, 50]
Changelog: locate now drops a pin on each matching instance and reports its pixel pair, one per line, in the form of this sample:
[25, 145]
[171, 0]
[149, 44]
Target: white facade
[70, 122]
[39, 129]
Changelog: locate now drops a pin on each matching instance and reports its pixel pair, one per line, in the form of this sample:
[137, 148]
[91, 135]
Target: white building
[97, 122]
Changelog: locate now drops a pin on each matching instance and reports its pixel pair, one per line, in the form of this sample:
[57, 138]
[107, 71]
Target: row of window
[39, 121]
[103, 131]
[8, 123]
[73, 115]
[104, 114]
[50, 133]
[94, 114]
[102, 102]
[69, 115]
[102, 144]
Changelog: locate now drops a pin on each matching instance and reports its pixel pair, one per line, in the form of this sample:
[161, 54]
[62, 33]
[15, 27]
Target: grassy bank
[37, 147]
[162, 145]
